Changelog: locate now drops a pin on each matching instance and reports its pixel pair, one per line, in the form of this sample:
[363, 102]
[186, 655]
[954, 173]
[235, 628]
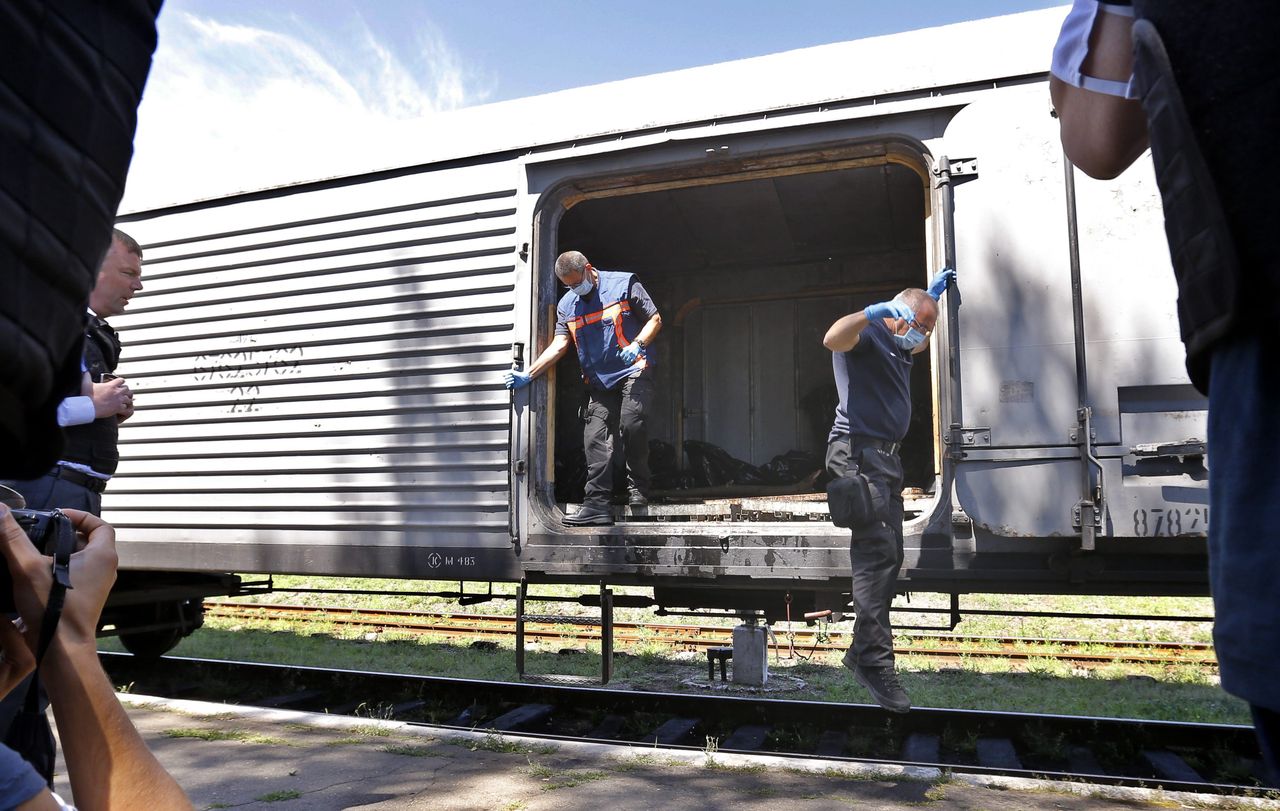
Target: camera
[43, 528]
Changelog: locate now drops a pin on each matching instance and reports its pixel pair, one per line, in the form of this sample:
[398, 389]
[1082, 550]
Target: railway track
[1085, 653]
[1199, 758]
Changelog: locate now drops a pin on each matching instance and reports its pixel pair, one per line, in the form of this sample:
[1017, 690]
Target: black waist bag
[854, 501]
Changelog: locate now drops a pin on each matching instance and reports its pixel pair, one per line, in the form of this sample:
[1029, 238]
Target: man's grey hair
[918, 300]
[570, 262]
[130, 244]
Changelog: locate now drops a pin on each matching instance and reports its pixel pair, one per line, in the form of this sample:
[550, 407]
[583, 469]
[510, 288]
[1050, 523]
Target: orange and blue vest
[601, 326]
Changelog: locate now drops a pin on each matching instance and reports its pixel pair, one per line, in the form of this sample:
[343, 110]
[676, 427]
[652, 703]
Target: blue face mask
[911, 340]
[583, 288]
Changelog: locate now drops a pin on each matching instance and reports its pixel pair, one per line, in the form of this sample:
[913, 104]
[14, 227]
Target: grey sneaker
[883, 684]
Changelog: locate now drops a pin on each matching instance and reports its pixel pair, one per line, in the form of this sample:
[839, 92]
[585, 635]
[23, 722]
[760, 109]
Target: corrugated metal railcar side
[307, 368]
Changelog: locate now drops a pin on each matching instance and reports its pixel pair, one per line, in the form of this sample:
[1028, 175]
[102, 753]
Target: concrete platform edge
[698, 759]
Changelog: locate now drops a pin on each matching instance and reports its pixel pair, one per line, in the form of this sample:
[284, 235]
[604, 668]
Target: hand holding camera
[30, 571]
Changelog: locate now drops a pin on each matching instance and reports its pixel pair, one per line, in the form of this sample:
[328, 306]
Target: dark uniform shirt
[873, 381]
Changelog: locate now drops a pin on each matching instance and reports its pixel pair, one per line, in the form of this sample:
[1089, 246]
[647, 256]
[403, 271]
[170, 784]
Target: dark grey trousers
[620, 413]
[47, 493]
[875, 551]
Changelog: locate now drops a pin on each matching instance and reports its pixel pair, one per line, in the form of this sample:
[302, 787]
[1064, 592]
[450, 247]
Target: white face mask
[911, 340]
[583, 288]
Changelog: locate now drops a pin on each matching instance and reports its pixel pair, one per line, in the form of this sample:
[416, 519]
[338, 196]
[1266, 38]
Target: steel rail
[863, 733]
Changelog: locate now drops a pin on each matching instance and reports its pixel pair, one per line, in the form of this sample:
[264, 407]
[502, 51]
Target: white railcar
[320, 364]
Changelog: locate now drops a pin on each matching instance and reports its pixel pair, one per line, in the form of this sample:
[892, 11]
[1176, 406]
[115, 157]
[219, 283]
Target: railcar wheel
[161, 626]
[151, 644]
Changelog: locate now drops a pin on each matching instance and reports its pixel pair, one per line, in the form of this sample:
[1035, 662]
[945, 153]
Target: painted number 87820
[1170, 521]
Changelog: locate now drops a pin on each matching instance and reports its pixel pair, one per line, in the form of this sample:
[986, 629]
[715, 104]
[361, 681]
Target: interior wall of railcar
[748, 275]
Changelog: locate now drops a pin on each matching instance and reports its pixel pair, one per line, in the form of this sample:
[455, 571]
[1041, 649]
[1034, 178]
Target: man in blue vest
[871, 354]
[611, 321]
[1200, 83]
[91, 415]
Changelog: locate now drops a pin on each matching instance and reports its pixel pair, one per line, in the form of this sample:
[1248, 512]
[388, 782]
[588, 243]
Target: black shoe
[637, 499]
[595, 515]
[883, 684]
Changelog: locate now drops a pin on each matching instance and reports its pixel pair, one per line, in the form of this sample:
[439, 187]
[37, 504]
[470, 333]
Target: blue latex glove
[889, 309]
[939, 284]
[515, 379]
[631, 351]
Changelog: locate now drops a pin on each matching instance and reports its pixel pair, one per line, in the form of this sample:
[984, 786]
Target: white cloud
[231, 107]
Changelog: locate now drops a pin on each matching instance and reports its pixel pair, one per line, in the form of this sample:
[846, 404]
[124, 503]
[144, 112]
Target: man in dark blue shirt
[611, 321]
[872, 352]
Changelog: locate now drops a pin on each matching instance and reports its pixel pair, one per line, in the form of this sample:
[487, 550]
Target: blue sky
[249, 93]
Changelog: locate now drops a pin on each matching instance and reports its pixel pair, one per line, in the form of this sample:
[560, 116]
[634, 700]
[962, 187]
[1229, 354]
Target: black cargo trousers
[875, 550]
[619, 412]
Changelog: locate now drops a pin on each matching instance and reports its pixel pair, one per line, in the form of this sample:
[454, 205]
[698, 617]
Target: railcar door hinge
[975, 437]
[1086, 512]
[956, 171]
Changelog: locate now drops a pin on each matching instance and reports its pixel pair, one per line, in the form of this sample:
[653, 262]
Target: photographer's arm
[108, 763]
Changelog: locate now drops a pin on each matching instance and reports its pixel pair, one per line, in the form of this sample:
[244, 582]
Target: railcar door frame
[947, 174]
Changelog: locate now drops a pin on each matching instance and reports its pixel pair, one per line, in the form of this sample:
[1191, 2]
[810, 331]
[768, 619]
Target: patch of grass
[715, 765]
[869, 775]
[381, 710]
[515, 805]
[497, 743]
[1043, 743]
[554, 779]
[280, 796]
[345, 742]
[632, 763]
[372, 731]
[224, 735]
[410, 750]
[963, 741]
[936, 793]
[220, 716]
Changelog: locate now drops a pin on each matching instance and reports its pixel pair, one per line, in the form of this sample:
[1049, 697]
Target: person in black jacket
[91, 415]
[71, 77]
[1200, 83]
